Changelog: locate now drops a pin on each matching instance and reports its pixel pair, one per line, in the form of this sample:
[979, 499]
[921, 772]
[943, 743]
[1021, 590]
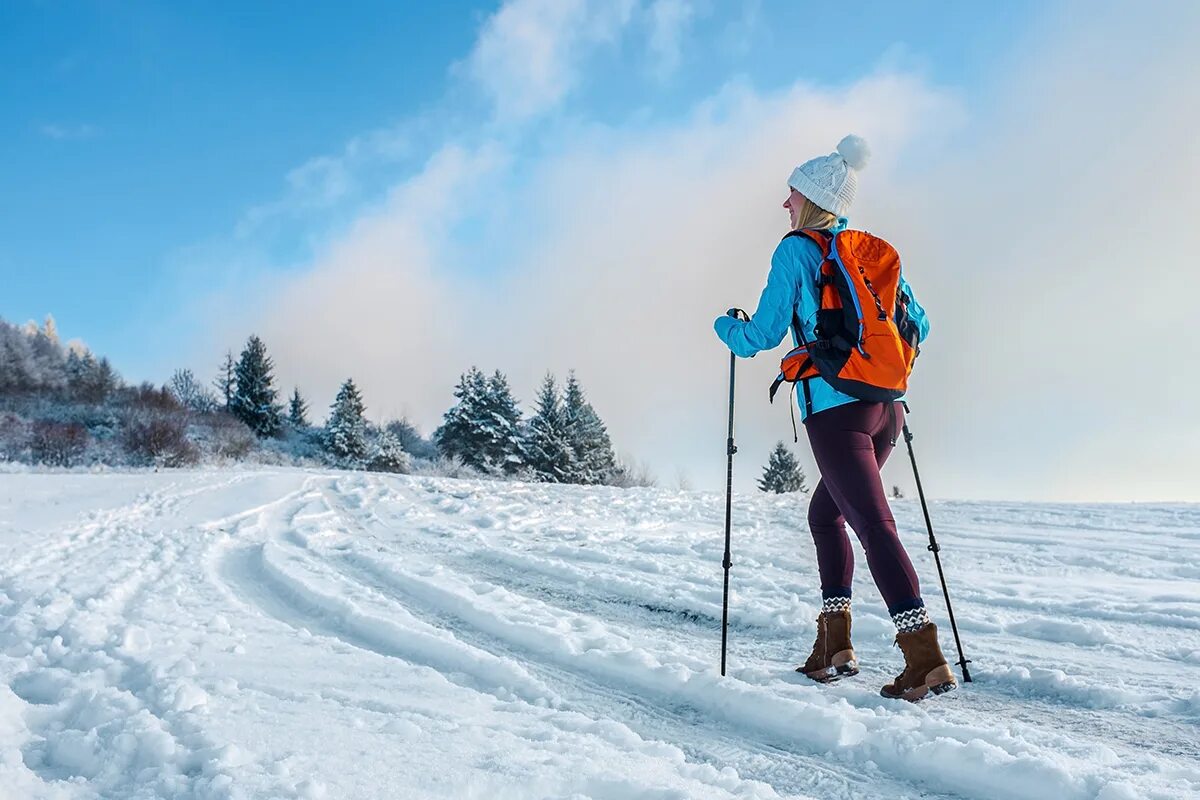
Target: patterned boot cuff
[912, 620]
[832, 605]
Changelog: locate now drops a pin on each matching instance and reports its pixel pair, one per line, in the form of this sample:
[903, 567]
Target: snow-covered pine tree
[782, 473]
[226, 383]
[297, 410]
[346, 429]
[483, 429]
[103, 380]
[595, 462]
[386, 454]
[16, 374]
[253, 401]
[458, 436]
[33, 359]
[74, 367]
[90, 380]
[48, 355]
[548, 437]
[500, 427]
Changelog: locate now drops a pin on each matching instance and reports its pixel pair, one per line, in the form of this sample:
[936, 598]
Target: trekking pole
[730, 449]
[935, 549]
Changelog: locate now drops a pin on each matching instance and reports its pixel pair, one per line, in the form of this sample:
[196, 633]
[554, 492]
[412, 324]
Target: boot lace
[899, 680]
[816, 659]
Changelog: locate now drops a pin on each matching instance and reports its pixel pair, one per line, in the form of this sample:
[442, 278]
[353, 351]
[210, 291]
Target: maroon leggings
[851, 443]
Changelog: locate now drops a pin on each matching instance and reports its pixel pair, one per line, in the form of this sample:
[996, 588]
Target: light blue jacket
[792, 284]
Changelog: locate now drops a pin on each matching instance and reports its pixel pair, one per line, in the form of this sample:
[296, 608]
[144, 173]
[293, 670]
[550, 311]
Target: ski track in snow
[292, 633]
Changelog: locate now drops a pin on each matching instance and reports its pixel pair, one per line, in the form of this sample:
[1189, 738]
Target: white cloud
[378, 305]
[669, 20]
[324, 181]
[743, 30]
[65, 132]
[1053, 250]
[527, 57]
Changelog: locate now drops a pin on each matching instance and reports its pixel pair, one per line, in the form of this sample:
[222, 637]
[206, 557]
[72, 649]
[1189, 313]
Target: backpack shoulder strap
[823, 239]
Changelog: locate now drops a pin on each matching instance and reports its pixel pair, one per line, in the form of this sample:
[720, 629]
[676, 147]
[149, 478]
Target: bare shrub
[411, 440]
[149, 397]
[229, 437]
[58, 444]
[444, 467]
[190, 393]
[632, 473]
[14, 437]
[159, 439]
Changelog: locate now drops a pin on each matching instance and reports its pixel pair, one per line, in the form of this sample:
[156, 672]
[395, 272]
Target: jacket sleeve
[771, 319]
[916, 311]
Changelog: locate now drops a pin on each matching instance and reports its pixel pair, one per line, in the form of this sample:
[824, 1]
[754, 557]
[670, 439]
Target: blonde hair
[813, 216]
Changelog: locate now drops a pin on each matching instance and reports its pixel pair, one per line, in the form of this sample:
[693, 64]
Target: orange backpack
[865, 341]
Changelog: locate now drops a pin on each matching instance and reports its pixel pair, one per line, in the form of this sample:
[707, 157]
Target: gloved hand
[724, 324]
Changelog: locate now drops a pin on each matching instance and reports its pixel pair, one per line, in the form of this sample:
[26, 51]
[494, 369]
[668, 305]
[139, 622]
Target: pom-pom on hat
[831, 181]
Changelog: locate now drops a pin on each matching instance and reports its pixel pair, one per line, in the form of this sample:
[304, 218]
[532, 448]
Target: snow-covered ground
[319, 634]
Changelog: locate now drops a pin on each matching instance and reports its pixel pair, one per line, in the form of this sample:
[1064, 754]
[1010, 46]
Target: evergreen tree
[75, 367]
[254, 401]
[298, 410]
[595, 461]
[782, 473]
[346, 430]
[47, 355]
[458, 435]
[225, 382]
[548, 437]
[31, 359]
[16, 370]
[90, 380]
[387, 455]
[103, 380]
[483, 429]
[500, 424]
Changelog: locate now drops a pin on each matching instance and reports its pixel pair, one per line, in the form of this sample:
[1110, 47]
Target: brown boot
[832, 654]
[925, 668]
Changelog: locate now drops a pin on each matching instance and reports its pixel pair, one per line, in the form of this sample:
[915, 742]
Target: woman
[851, 439]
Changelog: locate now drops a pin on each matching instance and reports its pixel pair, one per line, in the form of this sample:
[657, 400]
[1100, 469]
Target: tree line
[61, 405]
[564, 441]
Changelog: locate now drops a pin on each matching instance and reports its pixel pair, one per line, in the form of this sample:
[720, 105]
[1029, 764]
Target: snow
[320, 634]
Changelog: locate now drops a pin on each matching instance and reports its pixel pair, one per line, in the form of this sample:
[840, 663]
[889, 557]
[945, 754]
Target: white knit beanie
[831, 181]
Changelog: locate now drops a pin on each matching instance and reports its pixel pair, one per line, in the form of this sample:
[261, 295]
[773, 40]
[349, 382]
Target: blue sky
[136, 129]
[394, 191]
